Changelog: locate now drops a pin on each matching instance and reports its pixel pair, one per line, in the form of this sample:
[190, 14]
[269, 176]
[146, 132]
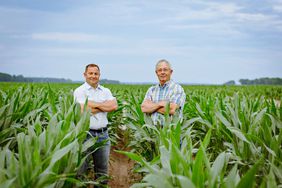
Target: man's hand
[95, 110]
[172, 109]
[107, 106]
[149, 106]
[90, 107]
[162, 103]
[96, 107]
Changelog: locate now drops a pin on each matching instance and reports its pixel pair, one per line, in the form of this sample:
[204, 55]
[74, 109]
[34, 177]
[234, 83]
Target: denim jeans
[100, 157]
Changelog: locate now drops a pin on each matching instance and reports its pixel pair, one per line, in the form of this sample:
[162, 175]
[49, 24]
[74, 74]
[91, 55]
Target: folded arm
[172, 108]
[95, 107]
[107, 106]
[149, 106]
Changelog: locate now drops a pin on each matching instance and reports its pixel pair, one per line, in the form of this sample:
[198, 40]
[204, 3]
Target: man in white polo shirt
[100, 102]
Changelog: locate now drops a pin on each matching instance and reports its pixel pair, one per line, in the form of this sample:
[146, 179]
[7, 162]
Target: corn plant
[245, 129]
[48, 148]
[177, 167]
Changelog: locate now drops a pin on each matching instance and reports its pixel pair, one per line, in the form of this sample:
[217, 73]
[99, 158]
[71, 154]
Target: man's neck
[93, 86]
[163, 83]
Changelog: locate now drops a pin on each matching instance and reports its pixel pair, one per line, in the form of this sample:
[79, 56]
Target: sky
[206, 42]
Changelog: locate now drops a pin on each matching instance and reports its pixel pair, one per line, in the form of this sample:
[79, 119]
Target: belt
[104, 129]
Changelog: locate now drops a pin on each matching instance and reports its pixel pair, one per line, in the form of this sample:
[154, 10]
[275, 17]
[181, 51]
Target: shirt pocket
[90, 98]
[100, 98]
[171, 97]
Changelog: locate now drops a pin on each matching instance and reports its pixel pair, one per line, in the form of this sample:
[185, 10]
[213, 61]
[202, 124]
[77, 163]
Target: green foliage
[228, 140]
[42, 135]
[230, 137]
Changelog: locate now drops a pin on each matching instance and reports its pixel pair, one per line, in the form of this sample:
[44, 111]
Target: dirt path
[120, 169]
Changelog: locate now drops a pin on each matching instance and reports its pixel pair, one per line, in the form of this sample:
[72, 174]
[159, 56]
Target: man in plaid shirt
[166, 92]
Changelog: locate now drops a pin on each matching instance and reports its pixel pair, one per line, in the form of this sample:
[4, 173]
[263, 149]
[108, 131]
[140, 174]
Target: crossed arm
[95, 107]
[149, 106]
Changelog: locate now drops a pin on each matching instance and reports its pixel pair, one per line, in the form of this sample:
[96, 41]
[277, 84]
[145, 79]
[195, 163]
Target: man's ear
[171, 71]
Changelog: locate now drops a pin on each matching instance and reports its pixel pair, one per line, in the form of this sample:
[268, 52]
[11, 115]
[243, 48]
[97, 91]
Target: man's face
[163, 72]
[92, 76]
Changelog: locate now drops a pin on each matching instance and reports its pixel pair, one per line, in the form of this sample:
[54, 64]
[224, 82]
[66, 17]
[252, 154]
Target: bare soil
[121, 169]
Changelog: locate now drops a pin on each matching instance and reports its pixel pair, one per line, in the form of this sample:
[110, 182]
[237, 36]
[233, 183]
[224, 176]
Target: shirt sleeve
[79, 96]
[109, 95]
[148, 95]
[178, 96]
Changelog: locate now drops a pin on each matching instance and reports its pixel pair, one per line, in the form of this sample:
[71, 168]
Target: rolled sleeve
[109, 95]
[148, 95]
[79, 97]
[178, 97]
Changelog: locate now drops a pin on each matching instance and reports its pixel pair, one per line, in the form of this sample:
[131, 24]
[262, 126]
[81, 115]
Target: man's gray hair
[163, 61]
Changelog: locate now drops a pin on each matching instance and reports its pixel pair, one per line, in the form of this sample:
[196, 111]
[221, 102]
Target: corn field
[230, 137]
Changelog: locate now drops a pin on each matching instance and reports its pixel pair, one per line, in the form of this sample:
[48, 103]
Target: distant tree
[106, 81]
[20, 78]
[50, 80]
[262, 81]
[244, 81]
[231, 82]
[5, 77]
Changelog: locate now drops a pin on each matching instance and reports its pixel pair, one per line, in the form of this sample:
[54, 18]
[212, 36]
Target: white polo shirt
[100, 94]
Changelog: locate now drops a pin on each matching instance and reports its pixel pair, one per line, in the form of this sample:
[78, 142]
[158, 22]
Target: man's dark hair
[91, 65]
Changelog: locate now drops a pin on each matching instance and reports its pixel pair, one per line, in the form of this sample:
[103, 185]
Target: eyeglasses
[162, 70]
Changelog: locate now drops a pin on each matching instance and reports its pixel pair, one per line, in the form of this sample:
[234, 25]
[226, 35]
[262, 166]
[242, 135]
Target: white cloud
[229, 14]
[257, 17]
[122, 51]
[72, 37]
[214, 30]
[128, 33]
[225, 8]
[277, 6]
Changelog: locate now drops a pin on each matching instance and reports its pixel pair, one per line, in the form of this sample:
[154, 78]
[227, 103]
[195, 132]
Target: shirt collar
[88, 87]
[165, 84]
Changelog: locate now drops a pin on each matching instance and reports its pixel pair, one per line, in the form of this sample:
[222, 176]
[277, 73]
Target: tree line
[4, 77]
[259, 81]
[262, 81]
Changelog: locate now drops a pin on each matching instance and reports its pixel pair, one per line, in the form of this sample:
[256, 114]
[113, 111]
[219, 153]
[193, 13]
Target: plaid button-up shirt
[170, 92]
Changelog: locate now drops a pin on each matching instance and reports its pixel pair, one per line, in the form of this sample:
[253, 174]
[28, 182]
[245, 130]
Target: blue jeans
[100, 157]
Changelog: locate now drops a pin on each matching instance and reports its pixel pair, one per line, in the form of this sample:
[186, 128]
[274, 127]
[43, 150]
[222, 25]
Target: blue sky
[205, 41]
